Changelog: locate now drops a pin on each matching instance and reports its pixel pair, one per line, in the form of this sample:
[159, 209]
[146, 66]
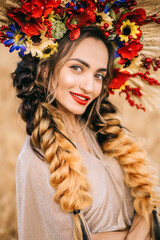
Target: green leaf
[112, 14]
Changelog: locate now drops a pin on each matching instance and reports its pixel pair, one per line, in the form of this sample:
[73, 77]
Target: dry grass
[12, 136]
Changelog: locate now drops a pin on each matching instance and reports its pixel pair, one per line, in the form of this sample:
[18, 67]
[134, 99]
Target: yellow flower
[51, 17]
[49, 50]
[105, 18]
[64, 2]
[135, 64]
[36, 45]
[123, 86]
[128, 28]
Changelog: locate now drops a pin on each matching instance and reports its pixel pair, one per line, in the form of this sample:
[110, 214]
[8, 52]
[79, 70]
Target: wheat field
[12, 136]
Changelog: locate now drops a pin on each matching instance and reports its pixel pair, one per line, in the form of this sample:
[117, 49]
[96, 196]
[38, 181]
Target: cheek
[98, 89]
[65, 80]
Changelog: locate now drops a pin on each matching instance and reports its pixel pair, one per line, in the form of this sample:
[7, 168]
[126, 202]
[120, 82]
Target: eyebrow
[87, 65]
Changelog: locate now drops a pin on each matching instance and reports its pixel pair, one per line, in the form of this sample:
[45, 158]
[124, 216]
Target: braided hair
[46, 126]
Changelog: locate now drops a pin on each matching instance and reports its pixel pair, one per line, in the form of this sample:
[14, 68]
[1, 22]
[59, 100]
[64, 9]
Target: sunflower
[132, 65]
[104, 18]
[64, 2]
[49, 50]
[128, 28]
[37, 44]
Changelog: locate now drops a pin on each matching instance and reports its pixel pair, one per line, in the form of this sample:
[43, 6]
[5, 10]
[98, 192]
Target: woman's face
[80, 79]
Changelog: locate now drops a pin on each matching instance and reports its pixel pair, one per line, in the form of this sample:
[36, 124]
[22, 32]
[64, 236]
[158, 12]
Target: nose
[87, 83]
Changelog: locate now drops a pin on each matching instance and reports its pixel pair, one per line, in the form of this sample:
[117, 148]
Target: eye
[100, 76]
[76, 68]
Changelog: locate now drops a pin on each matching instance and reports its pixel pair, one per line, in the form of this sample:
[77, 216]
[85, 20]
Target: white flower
[36, 47]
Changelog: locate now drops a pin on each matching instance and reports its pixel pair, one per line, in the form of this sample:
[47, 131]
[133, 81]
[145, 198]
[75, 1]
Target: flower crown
[35, 26]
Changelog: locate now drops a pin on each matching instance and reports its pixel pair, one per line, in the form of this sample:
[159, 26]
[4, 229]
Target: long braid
[117, 142]
[66, 166]
[44, 124]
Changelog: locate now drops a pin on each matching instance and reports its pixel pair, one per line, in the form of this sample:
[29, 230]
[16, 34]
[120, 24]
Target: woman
[77, 151]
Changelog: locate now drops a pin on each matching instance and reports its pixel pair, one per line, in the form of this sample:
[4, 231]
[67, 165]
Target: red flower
[77, 20]
[119, 79]
[130, 51]
[29, 16]
[138, 16]
[28, 25]
[39, 8]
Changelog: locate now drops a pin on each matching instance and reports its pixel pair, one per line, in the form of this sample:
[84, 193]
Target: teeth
[82, 98]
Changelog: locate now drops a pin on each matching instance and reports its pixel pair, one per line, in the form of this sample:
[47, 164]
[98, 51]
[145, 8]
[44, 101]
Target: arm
[39, 217]
[140, 229]
[120, 235]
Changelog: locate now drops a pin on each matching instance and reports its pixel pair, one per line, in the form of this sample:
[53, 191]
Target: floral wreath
[35, 26]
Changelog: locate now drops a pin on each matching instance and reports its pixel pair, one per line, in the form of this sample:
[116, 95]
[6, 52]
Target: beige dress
[40, 218]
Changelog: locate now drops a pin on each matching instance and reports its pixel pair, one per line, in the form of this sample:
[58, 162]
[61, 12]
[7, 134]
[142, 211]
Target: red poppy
[122, 61]
[130, 51]
[90, 4]
[119, 79]
[28, 25]
[77, 20]
[29, 16]
[39, 8]
[138, 16]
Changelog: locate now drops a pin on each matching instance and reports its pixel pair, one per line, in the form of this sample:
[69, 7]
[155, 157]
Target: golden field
[12, 135]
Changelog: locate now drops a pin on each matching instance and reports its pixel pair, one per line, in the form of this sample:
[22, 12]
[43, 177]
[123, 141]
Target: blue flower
[107, 7]
[119, 1]
[116, 55]
[16, 38]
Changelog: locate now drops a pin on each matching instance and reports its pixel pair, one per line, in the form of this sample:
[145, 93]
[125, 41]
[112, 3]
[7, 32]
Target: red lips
[79, 98]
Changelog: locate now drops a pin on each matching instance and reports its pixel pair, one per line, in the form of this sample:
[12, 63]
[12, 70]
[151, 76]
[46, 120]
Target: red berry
[102, 28]
[148, 67]
[126, 44]
[81, 10]
[141, 46]
[148, 60]
[137, 41]
[110, 31]
[106, 34]
[130, 49]
[130, 37]
[158, 65]
[155, 68]
[118, 25]
[72, 4]
[130, 8]
[106, 25]
[135, 3]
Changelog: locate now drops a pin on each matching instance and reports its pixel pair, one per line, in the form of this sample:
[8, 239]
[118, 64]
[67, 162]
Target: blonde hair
[66, 166]
[118, 142]
[46, 125]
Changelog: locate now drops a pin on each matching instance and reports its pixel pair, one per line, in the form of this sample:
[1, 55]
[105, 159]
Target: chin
[78, 111]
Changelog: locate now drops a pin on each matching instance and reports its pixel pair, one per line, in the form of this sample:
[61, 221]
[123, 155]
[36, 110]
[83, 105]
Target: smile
[79, 98]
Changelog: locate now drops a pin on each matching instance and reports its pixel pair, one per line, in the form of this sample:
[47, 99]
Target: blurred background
[12, 135]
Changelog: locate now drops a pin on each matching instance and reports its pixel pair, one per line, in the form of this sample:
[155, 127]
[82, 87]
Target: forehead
[93, 51]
